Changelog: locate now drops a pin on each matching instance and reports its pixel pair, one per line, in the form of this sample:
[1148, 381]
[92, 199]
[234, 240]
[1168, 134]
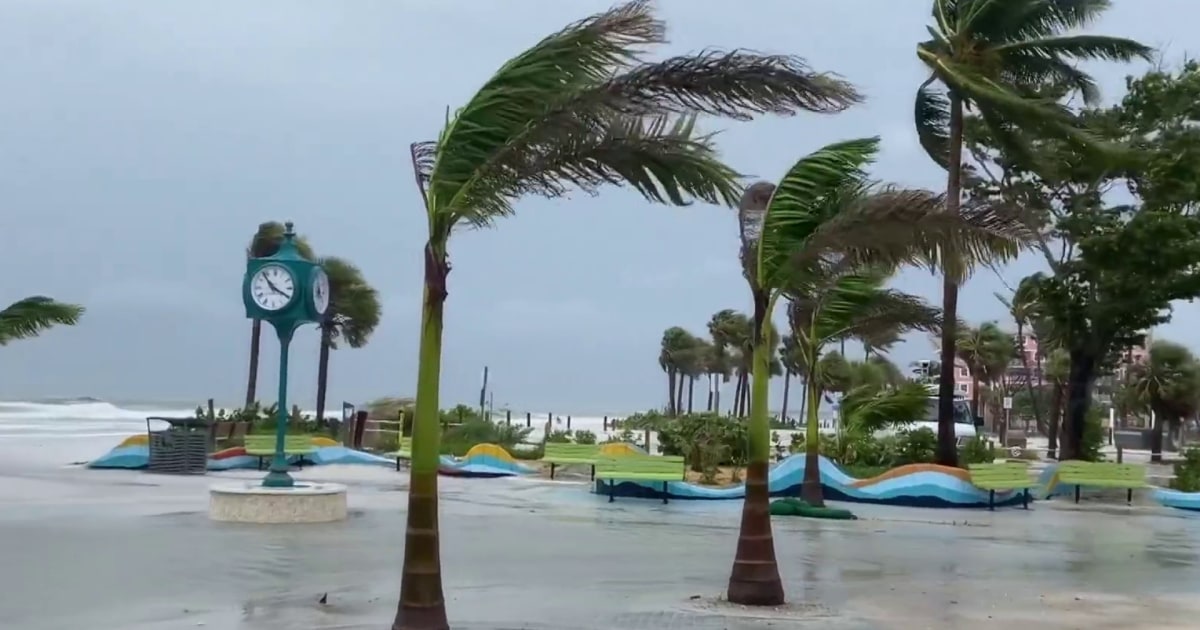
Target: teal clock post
[287, 291]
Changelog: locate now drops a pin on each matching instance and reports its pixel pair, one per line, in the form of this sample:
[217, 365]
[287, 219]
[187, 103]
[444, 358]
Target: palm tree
[832, 304]
[265, 242]
[1168, 385]
[31, 316]
[694, 364]
[825, 220]
[352, 316]
[723, 327]
[580, 109]
[979, 349]
[676, 342]
[789, 357]
[992, 56]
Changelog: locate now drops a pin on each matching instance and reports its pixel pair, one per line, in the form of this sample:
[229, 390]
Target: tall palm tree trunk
[787, 386]
[323, 372]
[255, 346]
[947, 451]
[422, 604]
[711, 387]
[754, 580]
[803, 401]
[811, 490]
[671, 392]
[691, 392]
[679, 393]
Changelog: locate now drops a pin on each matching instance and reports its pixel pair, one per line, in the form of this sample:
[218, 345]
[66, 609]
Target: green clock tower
[287, 291]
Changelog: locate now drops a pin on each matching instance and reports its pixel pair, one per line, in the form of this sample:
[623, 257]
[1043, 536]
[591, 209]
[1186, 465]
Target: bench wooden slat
[1005, 476]
[404, 449]
[292, 445]
[570, 453]
[1102, 474]
[641, 468]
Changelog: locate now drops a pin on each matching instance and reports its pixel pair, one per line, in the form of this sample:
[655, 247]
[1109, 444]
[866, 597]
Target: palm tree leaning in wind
[30, 317]
[352, 316]
[991, 56]
[824, 219]
[579, 109]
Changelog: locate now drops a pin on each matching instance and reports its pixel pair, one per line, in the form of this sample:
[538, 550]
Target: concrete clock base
[250, 502]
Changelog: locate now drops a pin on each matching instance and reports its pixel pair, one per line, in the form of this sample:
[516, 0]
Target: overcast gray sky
[141, 143]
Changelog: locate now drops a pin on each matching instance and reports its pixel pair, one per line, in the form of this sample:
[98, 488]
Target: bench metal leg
[612, 487]
[664, 493]
[552, 470]
[593, 475]
[397, 464]
[1077, 494]
[992, 500]
[1025, 498]
[1129, 496]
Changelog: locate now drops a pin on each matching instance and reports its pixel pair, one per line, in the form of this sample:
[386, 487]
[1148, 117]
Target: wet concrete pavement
[130, 551]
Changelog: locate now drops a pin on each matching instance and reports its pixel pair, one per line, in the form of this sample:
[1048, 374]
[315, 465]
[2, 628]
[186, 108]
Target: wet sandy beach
[131, 551]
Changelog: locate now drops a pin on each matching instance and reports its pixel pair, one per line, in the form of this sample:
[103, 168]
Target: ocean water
[87, 417]
[90, 417]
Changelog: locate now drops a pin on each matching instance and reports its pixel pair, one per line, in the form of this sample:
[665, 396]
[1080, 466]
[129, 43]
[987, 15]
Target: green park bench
[1102, 475]
[1003, 476]
[566, 453]
[263, 446]
[664, 468]
[403, 452]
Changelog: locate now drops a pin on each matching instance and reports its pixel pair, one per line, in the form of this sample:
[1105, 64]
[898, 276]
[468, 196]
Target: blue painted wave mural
[1179, 500]
[917, 485]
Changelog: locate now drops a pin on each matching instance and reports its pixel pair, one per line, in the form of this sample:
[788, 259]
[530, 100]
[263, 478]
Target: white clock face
[320, 291]
[272, 287]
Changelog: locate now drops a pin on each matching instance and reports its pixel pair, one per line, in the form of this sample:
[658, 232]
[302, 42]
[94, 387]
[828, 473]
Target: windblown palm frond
[826, 213]
[997, 56]
[855, 304]
[354, 309]
[33, 315]
[580, 107]
[866, 409]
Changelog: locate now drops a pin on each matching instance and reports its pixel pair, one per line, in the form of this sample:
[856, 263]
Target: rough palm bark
[947, 451]
[422, 602]
[323, 371]
[755, 579]
[255, 348]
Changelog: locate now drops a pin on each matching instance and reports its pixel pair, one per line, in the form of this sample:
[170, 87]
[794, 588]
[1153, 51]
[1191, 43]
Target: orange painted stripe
[909, 469]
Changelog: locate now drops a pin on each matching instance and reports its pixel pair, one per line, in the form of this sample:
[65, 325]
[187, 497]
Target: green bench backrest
[405, 443]
[642, 464]
[999, 472]
[571, 450]
[1076, 469]
[267, 442]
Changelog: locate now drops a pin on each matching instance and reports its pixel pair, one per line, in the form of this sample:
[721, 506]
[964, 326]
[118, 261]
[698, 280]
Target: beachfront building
[1018, 374]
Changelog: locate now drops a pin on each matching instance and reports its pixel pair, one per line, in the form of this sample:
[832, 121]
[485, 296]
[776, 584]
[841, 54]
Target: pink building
[1016, 374]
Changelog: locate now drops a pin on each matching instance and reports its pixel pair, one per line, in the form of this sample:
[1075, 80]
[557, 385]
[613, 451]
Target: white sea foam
[84, 418]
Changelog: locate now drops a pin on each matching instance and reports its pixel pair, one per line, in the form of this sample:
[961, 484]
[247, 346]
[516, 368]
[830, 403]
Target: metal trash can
[181, 448]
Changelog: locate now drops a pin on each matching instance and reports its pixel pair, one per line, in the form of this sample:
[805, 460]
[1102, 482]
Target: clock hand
[273, 287]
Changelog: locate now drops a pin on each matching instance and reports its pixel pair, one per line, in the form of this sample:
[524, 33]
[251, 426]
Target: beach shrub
[690, 435]
[916, 446]
[584, 436]
[558, 437]
[1187, 472]
[977, 450]
[458, 439]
